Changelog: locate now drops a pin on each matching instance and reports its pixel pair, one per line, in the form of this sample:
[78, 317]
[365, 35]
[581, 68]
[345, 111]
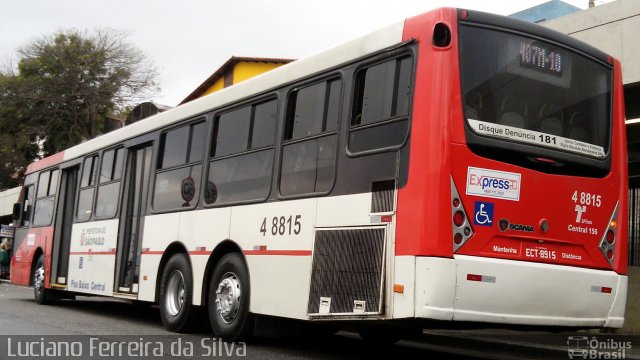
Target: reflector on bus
[459, 220]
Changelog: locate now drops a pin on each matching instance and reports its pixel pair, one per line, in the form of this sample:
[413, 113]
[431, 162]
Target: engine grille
[347, 269]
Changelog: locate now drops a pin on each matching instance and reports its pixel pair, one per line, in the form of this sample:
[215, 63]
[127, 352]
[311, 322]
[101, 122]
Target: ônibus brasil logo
[493, 184]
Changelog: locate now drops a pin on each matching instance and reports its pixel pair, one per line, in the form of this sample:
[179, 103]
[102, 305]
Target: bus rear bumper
[469, 288]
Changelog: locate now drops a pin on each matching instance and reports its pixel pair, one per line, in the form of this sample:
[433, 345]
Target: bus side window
[87, 187]
[109, 184]
[45, 198]
[179, 170]
[380, 113]
[26, 204]
[310, 142]
[242, 154]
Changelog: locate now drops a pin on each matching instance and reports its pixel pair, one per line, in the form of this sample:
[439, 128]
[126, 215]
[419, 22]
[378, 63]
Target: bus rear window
[529, 91]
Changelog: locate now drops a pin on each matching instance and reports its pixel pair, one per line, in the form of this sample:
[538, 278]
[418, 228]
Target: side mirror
[17, 210]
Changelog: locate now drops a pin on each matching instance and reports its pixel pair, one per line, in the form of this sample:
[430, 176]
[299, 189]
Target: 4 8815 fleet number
[282, 225]
[584, 198]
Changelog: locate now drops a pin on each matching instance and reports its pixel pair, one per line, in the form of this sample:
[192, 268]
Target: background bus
[455, 166]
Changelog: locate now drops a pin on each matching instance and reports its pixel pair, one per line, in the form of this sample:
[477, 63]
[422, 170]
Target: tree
[18, 142]
[65, 87]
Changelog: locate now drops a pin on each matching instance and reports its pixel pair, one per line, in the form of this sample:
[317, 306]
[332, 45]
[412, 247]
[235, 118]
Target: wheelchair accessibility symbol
[483, 213]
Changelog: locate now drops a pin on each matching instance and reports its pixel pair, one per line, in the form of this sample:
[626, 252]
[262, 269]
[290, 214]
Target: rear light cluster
[608, 242]
[460, 221]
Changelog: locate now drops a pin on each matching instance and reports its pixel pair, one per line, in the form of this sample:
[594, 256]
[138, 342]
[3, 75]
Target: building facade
[235, 70]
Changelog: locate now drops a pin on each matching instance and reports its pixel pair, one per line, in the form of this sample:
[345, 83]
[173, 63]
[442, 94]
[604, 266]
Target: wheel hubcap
[38, 280]
[175, 293]
[228, 297]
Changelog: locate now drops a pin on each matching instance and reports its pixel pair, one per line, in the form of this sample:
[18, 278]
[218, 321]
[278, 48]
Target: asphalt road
[97, 327]
[94, 326]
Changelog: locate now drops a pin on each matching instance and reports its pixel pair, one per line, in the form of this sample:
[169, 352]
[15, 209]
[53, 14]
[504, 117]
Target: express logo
[82, 236]
[486, 182]
[493, 184]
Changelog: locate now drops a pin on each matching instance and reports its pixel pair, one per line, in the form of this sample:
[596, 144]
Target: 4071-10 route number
[282, 225]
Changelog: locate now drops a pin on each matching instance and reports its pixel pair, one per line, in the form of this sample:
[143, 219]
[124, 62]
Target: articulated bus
[456, 166]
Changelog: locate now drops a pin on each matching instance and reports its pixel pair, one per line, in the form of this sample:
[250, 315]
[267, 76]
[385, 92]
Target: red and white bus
[454, 166]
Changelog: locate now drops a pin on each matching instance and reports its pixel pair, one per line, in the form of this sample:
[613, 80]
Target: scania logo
[503, 224]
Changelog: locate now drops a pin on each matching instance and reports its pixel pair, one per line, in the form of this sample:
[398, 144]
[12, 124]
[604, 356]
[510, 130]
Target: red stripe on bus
[46, 162]
[279, 252]
[246, 252]
[159, 252]
[200, 252]
[93, 253]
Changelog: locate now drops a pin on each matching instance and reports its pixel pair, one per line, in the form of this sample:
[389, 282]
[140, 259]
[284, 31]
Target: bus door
[133, 208]
[63, 225]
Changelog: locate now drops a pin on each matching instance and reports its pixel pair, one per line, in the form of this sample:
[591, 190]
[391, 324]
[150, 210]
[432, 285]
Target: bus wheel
[176, 287]
[39, 291]
[228, 299]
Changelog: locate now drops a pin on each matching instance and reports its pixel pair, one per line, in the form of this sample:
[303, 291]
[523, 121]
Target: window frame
[25, 222]
[80, 188]
[261, 99]
[327, 78]
[47, 196]
[205, 119]
[100, 184]
[406, 51]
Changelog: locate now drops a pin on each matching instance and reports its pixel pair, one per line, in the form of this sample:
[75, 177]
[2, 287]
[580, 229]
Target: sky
[188, 40]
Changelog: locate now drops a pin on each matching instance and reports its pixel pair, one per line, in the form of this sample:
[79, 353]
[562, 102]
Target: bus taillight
[611, 237]
[608, 242]
[457, 239]
[458, 218]
[460, 221]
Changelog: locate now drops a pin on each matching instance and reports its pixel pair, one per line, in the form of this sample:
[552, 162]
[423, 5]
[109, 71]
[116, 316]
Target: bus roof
[375, 41]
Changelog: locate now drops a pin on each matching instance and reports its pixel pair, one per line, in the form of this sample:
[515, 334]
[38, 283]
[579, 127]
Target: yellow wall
[243, 71]
[246, 70]
[215, 87]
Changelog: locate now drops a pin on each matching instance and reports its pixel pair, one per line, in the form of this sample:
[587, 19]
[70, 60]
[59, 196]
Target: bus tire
[176, 290]
[228, 299]
[40, 293]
